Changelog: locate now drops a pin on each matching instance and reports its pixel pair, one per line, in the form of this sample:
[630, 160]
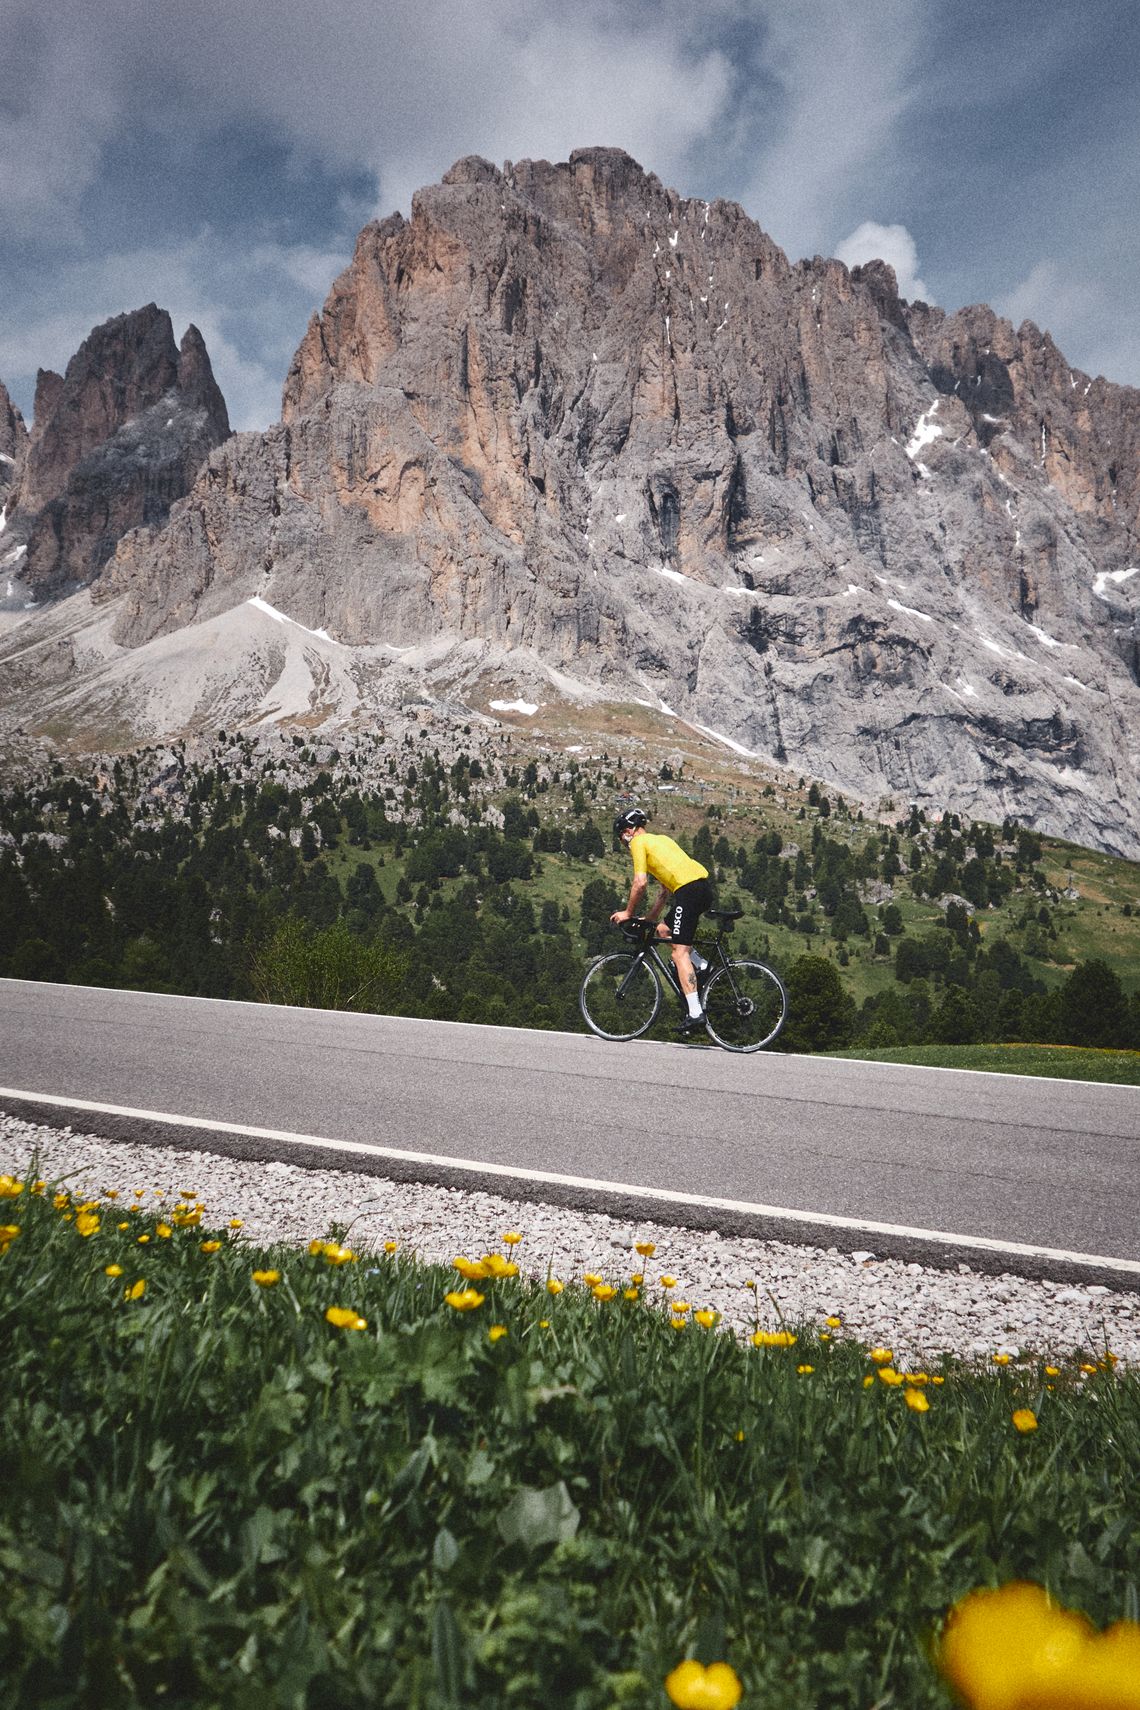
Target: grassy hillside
[432, 878]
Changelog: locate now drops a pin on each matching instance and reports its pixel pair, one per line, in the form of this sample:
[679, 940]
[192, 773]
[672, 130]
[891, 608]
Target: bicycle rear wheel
[745, 1006]
[620, 997]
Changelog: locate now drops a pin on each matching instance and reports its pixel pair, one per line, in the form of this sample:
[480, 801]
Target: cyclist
[684, 885]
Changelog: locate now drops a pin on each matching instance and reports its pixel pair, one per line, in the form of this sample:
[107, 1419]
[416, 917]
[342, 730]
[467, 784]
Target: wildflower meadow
[304, 1478]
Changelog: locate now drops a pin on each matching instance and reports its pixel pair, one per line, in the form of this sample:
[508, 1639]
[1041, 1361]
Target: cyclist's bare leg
[683, 963]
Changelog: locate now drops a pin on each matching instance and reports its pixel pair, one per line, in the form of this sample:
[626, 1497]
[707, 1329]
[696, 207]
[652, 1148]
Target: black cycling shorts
[686, 906]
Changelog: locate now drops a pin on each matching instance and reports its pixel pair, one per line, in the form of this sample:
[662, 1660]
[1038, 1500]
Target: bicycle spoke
[619, 997]
[745, 1004]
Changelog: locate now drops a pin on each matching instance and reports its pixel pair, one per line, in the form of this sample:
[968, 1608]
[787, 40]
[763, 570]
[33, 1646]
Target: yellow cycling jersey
[654, 853]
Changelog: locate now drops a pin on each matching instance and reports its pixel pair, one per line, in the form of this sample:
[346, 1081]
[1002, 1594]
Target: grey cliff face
[564, 409]
[115, 441]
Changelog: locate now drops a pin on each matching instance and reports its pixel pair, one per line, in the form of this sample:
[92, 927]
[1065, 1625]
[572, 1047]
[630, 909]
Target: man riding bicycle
[684, 885]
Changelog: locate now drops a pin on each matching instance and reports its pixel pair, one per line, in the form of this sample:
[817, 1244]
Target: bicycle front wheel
[745, 1006]
[620, 997]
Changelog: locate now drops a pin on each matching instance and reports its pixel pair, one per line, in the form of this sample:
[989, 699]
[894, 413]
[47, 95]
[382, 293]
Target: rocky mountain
[115, 441]
[567, 434]
[13, 448]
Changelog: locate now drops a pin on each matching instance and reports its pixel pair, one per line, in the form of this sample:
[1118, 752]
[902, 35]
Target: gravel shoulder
[920, 1312]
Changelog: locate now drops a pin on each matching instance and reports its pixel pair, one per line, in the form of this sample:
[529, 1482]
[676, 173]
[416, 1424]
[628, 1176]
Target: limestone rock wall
[564, 408]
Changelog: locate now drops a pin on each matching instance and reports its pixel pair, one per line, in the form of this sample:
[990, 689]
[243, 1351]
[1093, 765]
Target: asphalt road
[812, 1148]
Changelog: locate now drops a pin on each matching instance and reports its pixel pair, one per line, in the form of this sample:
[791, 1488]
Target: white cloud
[892, 244]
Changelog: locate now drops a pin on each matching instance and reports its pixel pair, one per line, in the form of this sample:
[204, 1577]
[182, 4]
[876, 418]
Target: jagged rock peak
[114, 441]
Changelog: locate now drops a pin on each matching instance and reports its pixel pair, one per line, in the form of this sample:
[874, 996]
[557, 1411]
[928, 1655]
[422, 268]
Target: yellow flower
[110, 1193]
[938, 1380]
[237, 1222]
[464, 1299]
[804, 1369]
[338, 1255]
[266, 1279]
[164, 1230]
[631, 1294]
[390, 1246]
[678, 1323]
[740, 1436]
[591, 1279]
[112, 1270]
[824, 1337]
[553, 1286]
[881, 1356]
[869, 1380]
[1024, 1419]
[916, 1401]
[497, 1332]
[61, 1201]
[122, 1226]
[919, 1378]
[511, 1238]
[1001, 1359]
[10, 1188]
[136, 1290]
[544, 1324]
[143, 1241]
[691, 1686]
[705, 1318]
[834, 1321]
[603, 1291]
[645, 1248]
[497, 1266]
[1015, 1646]
[1088, 1370]
[187, 1219]
[86, 1223]
[773, 1339]
[210, 1246]
[344, 1318]
[680, 1307]
[1052, 1371]
[668, 1282]
[888, 1375]
[472, 1270]
[637, 1278]
[39, 1187]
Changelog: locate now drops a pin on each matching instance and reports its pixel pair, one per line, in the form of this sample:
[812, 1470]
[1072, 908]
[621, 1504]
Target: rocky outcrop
[13, 445]
[115, 441]
[563, 409]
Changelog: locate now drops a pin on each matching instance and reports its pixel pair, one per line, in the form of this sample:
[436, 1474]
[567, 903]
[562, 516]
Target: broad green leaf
[536, 1517]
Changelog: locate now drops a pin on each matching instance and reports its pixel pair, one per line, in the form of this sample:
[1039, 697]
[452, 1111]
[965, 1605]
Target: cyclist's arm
[663, 896]
[636, 896]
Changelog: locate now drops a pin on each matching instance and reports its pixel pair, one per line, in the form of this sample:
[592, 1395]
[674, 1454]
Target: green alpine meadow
[302, 1477]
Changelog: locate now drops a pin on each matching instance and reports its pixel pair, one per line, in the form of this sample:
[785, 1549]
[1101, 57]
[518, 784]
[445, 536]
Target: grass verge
[300, 1479]
[1061, 1062]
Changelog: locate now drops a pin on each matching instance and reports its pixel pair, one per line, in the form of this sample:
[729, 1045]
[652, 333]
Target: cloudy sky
[219, 156]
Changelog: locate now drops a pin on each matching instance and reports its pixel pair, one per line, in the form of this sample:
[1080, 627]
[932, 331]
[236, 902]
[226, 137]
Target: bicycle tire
[746, 1012]
[614, 1005]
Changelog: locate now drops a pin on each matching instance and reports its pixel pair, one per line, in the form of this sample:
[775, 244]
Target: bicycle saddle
[724, 913]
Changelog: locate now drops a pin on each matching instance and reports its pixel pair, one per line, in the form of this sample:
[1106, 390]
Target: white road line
[510, 1172]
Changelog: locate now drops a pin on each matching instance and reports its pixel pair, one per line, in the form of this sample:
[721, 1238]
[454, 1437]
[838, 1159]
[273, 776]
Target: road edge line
[471, 1173]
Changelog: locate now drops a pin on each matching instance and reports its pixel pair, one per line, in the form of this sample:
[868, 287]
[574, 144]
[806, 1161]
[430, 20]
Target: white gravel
[918, 1311]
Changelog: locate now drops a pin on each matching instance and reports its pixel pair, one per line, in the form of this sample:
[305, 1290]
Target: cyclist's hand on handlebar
[619, 915]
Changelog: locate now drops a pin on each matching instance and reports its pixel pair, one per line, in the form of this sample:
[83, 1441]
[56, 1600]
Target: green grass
[214, 1497]
[1061, 1062]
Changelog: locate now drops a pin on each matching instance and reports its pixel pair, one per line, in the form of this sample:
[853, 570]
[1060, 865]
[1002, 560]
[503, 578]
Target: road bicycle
[744, 1001]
